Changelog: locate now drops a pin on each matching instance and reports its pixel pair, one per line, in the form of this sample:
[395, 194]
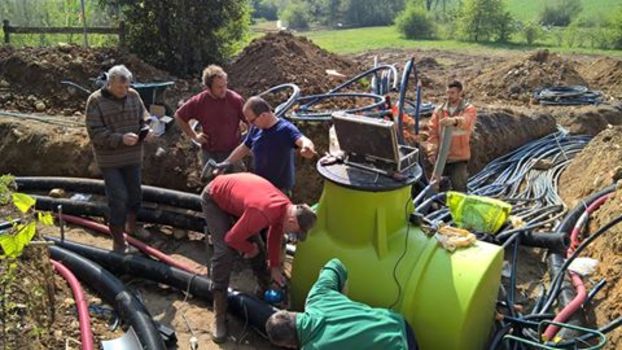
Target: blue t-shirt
[273, 152]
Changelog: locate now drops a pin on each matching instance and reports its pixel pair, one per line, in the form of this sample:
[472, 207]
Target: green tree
[265, 9]
[415, 23]
[367, 13]
[485, 20]
[183, 36]
[617, 28]
[296, 15]
[560, 13]
[531, 31]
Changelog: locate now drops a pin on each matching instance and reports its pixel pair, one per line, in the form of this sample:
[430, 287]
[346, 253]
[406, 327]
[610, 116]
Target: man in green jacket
[332, 321]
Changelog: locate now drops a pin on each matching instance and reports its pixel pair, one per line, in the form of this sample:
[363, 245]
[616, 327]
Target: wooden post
[122, 34]
[86, 41]
[7, 30]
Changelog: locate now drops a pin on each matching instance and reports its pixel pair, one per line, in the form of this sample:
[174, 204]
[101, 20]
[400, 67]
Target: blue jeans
[123, 192]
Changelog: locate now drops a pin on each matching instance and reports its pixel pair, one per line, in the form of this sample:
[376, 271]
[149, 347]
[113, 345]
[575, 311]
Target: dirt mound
[607, 250]
[279, 58]
[517, 78]
[172, 161]
[606, 74]
[597, 166]
[588, 120]
[31, 76]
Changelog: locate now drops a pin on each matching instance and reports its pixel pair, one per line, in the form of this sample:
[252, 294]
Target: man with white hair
[115, 121]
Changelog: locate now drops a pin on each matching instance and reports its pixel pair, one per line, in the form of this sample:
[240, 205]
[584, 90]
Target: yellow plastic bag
[476, 213]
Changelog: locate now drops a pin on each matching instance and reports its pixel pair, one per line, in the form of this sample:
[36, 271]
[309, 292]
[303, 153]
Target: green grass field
[364, 39]
[527, 10]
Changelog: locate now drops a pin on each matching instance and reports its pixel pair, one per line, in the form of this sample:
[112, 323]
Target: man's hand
[201, 138]
[431, 152]
[253, 253]
[449, 121]
[308, 151]
[221, 168]
[277, 276]
[130, 139]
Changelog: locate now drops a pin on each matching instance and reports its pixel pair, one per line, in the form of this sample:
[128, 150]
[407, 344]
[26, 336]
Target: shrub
[415, 23]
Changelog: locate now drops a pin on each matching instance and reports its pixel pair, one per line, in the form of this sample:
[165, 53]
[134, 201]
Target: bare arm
[187, 130]
[238, 153]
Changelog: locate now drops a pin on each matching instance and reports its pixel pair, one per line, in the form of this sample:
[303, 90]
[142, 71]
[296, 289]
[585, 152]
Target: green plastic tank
[448, 298]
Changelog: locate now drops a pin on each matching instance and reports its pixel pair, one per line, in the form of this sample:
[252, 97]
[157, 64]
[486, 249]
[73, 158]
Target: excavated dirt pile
[605, 73]
[35, 148]
[500, 131]
[284, 58]
[597, 166]
[516, 79]
[30, 77]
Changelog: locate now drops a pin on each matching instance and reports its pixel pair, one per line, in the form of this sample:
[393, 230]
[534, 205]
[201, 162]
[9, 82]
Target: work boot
[118, 241]
[219, 328]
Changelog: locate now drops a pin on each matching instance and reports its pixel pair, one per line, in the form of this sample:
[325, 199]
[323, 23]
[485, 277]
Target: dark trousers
[219, 223]
[123, 192]
[458, 174]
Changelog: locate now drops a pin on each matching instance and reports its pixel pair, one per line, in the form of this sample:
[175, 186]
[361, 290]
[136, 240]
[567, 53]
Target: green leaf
[23, 202]
[45, 218]
[8, 245]
[13, 245]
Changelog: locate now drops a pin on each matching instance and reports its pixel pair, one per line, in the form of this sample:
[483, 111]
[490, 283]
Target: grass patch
[348, 41]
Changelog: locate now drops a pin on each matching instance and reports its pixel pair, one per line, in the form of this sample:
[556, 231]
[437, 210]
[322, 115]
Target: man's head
[119, 79]
[299, 219]
[454, 91]
[281, 329]
[258, 112]
[215, 80]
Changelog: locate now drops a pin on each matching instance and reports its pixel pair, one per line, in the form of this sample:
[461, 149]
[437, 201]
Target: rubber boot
[219, 328]
[118, 241]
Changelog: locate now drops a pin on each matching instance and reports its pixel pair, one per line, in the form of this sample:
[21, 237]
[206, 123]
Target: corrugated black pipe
[153, 194]
[132, 311]
[188, 221]
[247, 307]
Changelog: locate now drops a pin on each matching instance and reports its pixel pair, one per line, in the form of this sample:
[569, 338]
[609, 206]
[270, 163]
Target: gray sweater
[107, 119]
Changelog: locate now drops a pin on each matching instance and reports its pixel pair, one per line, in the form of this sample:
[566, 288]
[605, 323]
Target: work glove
[213, 169]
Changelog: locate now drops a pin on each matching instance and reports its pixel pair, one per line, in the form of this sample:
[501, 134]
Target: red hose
[86, 335]
[147, 249]
[577, 282]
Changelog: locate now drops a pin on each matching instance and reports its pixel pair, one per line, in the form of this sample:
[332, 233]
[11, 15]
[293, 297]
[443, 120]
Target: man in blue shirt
[272, 142]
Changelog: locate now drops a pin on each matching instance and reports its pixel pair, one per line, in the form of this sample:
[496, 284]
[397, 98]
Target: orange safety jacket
[466, 114]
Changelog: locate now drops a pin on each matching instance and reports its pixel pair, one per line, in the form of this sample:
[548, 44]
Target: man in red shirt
[236, 208]
[219, 112]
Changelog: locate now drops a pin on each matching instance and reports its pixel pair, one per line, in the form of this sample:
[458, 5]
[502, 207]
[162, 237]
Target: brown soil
[52, 149]
[32, 75]
[279, 58]
[517, 78]
[606, 74]
[607, 250]
[597, 166]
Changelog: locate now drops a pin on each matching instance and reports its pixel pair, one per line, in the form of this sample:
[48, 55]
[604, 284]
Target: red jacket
[460, 148]
[257, 204]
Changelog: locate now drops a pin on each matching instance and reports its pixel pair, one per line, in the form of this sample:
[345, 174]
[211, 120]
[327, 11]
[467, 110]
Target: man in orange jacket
[461, 115]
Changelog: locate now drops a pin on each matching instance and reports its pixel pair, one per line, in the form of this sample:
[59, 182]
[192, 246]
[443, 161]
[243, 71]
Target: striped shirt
[107, 119]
